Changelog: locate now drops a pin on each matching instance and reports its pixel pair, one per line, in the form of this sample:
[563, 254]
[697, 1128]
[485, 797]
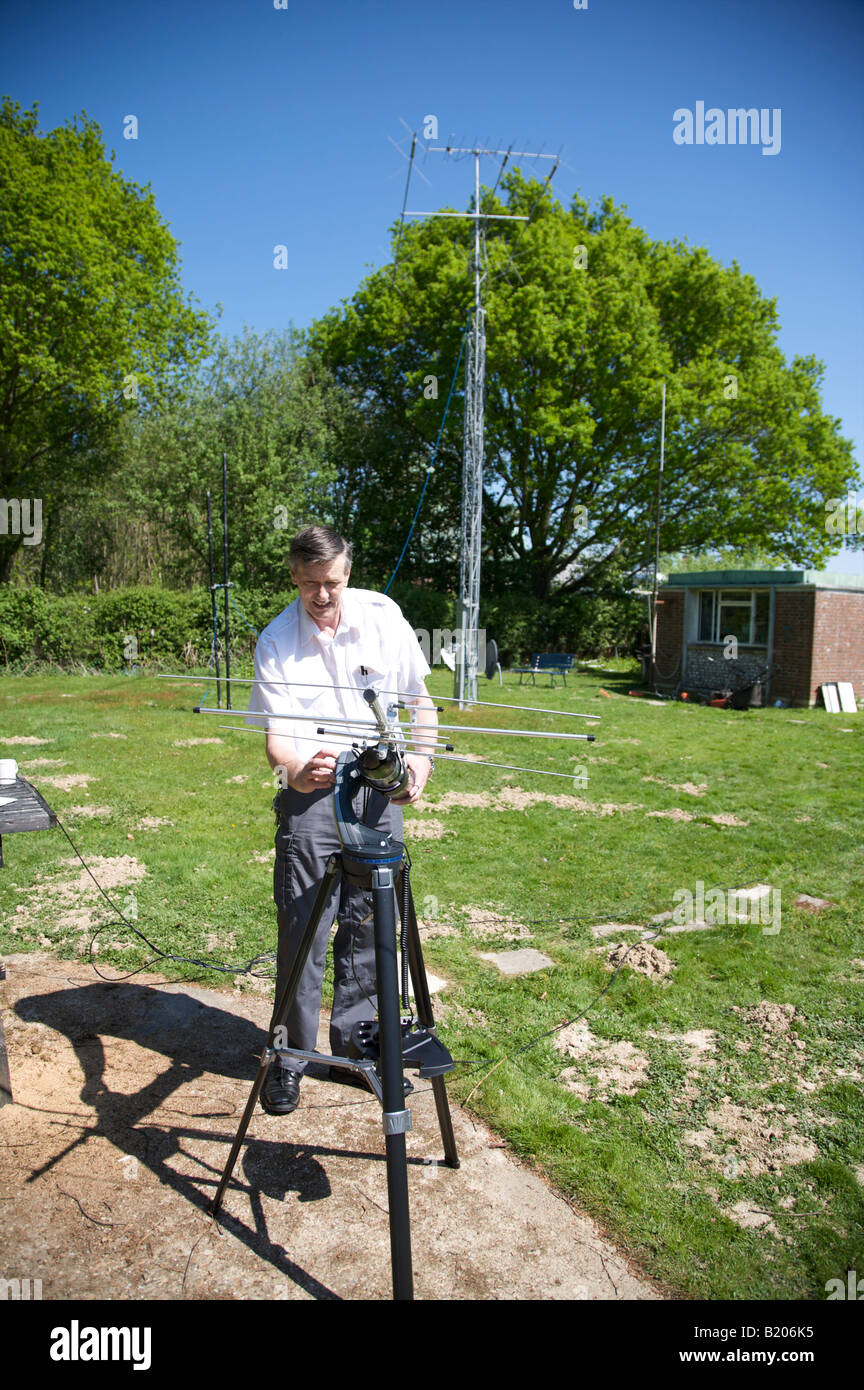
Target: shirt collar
[351, 618]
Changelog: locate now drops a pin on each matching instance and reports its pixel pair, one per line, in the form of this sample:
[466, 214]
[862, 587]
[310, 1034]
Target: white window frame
[743, 598]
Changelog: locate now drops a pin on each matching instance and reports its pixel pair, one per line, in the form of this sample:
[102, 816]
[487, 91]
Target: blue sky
[260, 126]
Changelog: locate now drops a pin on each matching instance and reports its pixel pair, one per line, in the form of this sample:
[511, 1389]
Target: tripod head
[381, 766]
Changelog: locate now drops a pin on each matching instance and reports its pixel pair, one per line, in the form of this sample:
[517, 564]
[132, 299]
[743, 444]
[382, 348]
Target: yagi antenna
[400, 694]
[382, 731]
[366, 725]
[443, 757]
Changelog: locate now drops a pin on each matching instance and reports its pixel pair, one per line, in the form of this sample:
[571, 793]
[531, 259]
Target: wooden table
[22, 808]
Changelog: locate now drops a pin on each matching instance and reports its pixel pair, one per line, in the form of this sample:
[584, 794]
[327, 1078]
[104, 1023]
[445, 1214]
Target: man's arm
[268, 698]
[424, 718]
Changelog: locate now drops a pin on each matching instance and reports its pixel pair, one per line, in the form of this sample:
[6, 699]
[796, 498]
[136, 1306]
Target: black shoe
[281, 1090]
[358, 1078]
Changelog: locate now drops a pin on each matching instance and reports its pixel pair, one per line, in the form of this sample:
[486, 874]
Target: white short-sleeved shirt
[373, 646]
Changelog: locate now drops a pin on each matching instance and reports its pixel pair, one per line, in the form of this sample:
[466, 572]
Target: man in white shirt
[334, 642]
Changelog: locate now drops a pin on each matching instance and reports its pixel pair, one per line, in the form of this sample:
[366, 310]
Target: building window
[739, 613]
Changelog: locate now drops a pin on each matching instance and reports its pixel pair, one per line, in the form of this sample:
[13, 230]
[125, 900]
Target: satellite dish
[491, 658]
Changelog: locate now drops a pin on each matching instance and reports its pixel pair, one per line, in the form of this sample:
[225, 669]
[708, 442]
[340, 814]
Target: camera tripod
[373, 860]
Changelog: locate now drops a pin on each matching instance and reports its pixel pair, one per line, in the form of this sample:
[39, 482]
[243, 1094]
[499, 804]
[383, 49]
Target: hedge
[123, 628]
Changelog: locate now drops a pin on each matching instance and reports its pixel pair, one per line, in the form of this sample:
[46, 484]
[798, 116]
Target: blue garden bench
[554, 662]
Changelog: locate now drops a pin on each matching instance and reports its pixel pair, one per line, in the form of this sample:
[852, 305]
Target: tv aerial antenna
[468, 657]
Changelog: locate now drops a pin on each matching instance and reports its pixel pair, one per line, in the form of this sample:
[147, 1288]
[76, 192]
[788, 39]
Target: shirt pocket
[375, 674]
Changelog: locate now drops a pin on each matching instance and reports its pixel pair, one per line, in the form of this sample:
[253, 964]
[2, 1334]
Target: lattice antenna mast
[468, 655]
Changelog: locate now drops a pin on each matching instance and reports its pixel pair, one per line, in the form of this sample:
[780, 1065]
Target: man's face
[321, 588]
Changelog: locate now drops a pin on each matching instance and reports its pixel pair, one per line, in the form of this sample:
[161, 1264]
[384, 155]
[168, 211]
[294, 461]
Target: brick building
[804, 627]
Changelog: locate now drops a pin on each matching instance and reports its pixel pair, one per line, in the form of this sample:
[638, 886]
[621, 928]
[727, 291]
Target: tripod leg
[281, 1013]
[396, 1118]
[445, 1122]
[423, 1001]
[266, 1058]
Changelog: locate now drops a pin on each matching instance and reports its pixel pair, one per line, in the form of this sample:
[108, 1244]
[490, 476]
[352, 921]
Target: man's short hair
[317, 545]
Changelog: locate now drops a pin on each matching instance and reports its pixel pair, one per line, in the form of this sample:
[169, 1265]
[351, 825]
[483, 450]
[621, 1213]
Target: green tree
[92, 315]
[275, 413]
[586, 318]
[272, 410]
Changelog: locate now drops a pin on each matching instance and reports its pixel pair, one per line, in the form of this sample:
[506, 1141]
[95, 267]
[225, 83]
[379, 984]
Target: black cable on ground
[268, 957]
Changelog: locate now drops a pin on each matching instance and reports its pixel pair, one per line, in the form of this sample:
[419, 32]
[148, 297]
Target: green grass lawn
[682, 1110]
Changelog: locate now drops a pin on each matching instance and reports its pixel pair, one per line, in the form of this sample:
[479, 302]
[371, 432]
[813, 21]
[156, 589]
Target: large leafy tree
[586, 318]
[92, 315]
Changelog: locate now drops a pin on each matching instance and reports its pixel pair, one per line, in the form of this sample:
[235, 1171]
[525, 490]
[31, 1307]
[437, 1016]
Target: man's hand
[420, 769]
[320, 771]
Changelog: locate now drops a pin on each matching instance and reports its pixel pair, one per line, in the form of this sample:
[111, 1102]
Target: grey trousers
[305, 838]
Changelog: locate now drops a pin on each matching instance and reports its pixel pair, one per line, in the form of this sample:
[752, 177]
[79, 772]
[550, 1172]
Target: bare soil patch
[484, 923]
[757, 1140]
[691, 788]
[447, 1010]
[754, 1139]
[698, 1044]
[607, 1069]
[643, 958]
[70, 782]
[429, 829]
[430, 929]
[751, 1218]
[515, 799]
[612, 928]
[262, 856]
[472, 800]
[62, 905]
